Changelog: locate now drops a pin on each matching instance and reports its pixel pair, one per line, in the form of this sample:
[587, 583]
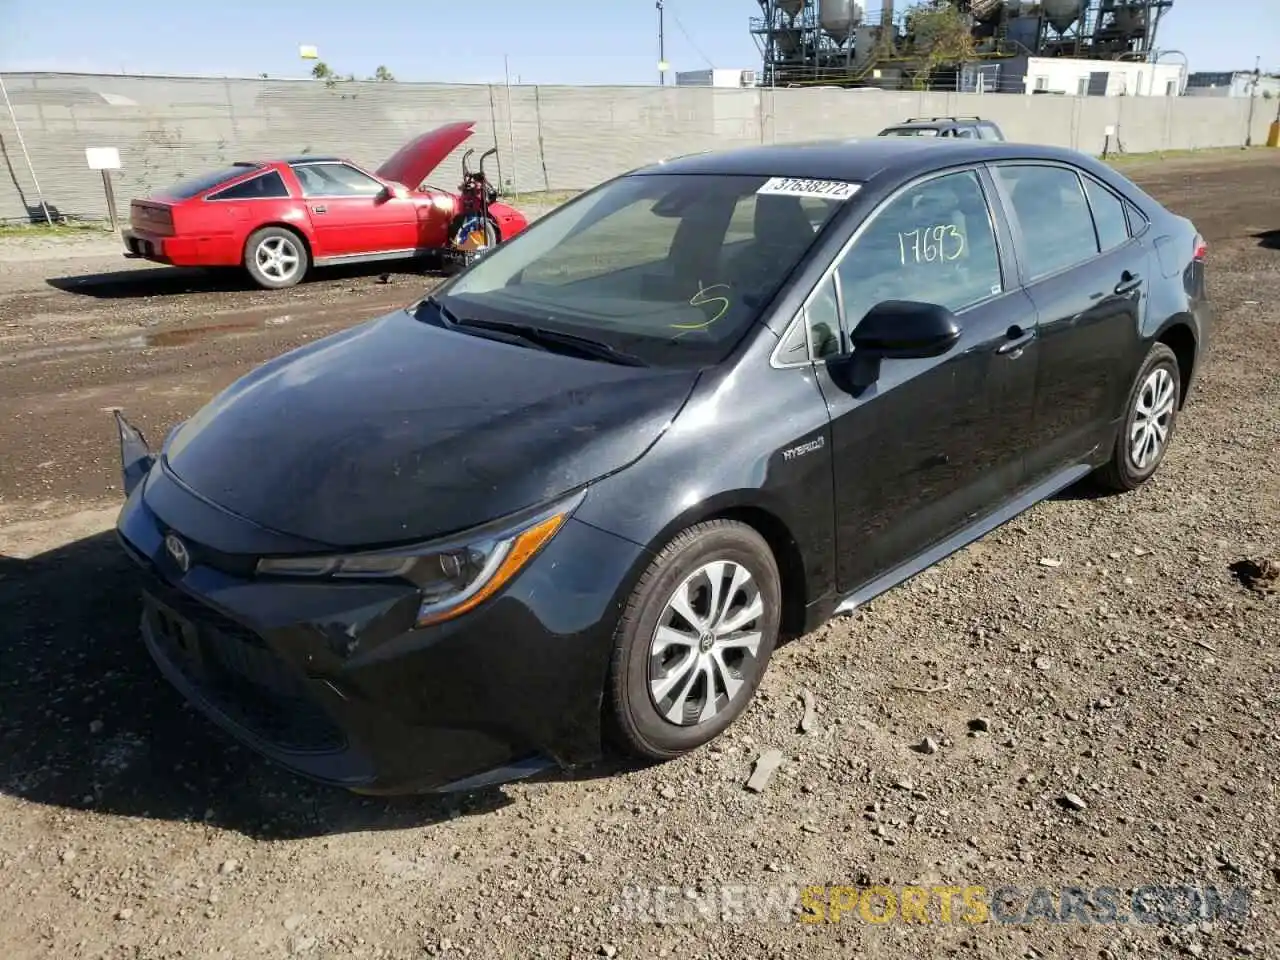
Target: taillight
[1201, 248]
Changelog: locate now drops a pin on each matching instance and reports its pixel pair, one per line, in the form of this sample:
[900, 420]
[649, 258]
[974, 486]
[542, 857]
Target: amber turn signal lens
[523, 547]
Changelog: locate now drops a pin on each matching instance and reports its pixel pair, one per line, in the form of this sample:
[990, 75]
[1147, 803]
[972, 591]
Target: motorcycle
[474, 231]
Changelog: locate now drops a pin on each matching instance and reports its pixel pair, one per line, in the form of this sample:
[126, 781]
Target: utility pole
[1253, 100]
[662, 46]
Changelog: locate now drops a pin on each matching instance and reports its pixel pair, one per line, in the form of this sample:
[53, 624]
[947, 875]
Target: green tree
[940, 35]
[383, 75]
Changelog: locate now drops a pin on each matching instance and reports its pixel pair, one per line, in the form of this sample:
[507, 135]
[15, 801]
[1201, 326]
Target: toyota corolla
[578, 493]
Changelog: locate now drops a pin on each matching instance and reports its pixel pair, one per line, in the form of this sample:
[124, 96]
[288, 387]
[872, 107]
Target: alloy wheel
[1152, 418]
[277, 258]
[705, 646]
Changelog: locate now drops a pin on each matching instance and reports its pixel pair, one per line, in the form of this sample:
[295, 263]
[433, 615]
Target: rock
[124, 913]
[1050, 562]
[607, 950]
[980, 725]
[67, 855]
[95, 726]
[228, 866]
[808, 719]
[766, 764]
[1072, 802]
[926, 746]
[667, 793]
[1044, 663]
[294, 922]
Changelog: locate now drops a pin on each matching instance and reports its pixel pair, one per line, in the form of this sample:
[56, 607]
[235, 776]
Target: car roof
[860, 160]
[303, 158]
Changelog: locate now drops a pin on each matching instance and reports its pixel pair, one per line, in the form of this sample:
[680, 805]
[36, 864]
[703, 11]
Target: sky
[614, 41]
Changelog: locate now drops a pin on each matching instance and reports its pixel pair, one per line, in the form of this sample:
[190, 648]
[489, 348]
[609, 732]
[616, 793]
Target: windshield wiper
[583, 346]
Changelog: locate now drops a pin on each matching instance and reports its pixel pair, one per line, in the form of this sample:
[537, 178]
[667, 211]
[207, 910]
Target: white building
[716, 78]
[1103, 78]
[1241, 83]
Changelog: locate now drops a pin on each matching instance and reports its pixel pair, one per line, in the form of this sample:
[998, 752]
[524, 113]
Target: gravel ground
[1085, 698]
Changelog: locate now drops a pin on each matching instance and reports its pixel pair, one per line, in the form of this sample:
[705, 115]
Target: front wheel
[1150, 416]
[471, 232]
[276, 258]
[694, 640]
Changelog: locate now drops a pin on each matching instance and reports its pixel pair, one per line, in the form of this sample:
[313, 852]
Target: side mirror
[391, 191]
[906, 330]
[896, 330]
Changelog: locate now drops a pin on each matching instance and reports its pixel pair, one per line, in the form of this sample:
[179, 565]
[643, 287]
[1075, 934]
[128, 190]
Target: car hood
[415, 161]
[397, 430]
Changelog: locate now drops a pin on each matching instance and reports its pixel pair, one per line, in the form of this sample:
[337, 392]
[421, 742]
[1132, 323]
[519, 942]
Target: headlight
[452, 577]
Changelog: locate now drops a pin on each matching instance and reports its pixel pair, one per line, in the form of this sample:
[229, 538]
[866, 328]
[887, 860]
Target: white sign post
[105, 159]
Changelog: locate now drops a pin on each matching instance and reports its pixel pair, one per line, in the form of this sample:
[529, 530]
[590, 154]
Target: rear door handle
[1129, 282]
[1017, 342]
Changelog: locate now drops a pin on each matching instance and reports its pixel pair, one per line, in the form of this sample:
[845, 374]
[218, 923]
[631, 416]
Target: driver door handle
[1017, 341]
[1129, 282]
[319, 208]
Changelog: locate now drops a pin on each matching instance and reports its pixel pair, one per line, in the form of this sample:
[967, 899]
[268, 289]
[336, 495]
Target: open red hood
[413, 162]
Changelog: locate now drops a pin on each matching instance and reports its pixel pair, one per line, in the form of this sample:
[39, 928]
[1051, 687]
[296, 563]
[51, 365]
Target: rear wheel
[694, 640]
[276, 257]
[1148, 425]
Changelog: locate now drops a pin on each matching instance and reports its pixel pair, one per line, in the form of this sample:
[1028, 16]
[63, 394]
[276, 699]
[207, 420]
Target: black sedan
[580, 491]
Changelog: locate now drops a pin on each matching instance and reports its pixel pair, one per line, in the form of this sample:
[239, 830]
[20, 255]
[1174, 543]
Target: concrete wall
[548, 138]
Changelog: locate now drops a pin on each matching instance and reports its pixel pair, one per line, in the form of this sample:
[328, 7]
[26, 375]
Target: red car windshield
[194, 186]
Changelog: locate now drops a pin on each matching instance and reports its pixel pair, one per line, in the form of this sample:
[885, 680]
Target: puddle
[179, 337]
[183, 336]
[186, 336]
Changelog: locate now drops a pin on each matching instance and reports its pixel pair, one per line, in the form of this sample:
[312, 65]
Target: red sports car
[279, 218]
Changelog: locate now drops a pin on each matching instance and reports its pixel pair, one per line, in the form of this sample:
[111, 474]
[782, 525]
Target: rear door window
[1049, 206]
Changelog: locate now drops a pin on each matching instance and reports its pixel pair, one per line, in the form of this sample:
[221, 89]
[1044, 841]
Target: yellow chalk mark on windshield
[703, 299]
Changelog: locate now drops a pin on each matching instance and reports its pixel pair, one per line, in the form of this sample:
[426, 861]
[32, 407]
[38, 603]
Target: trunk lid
[415, 161]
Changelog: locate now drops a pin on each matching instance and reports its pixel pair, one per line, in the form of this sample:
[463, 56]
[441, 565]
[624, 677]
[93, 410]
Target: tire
[276, 258]
[658, 703]
[492, 237]
[1159, 383]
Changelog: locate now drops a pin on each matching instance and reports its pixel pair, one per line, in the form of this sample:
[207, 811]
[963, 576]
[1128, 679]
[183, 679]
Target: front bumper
[332, 681]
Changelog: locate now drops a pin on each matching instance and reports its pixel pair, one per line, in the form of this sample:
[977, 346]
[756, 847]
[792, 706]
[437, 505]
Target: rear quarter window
[269, 186]
[1108, 214]
[194, 186]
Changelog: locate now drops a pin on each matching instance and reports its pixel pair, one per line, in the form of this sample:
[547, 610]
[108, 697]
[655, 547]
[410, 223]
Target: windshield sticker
[795, 187]
[942, 243]
[703, 299]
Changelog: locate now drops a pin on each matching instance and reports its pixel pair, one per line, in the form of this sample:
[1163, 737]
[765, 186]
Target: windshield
[669, 268]
[186, 189]
[910, 132]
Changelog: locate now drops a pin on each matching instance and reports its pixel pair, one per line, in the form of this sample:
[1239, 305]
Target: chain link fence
[549, 138]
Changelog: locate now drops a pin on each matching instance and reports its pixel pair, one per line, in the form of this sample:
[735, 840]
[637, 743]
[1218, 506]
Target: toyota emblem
[178, 551]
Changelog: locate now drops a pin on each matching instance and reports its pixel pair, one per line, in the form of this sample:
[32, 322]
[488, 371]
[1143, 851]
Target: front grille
[237, 672]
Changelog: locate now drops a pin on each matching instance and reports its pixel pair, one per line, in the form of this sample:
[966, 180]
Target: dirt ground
[1100, 688]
